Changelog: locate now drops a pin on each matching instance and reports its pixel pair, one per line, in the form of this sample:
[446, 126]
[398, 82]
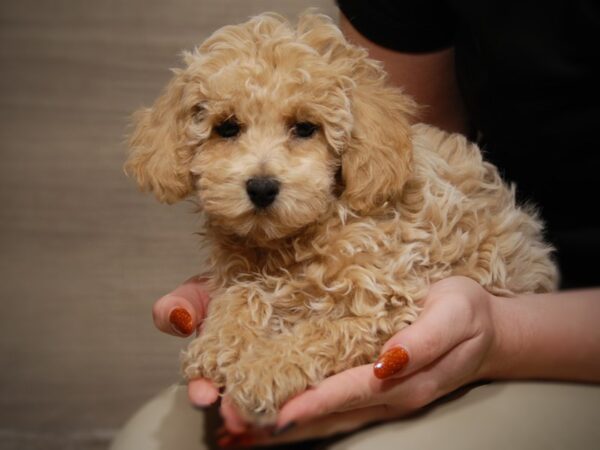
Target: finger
[351, 389]
[181, 311]
[451, 371]
[330, 425]
[202, 392]
[232, 420]
[407, 396]
[226, 439]
[439, 329]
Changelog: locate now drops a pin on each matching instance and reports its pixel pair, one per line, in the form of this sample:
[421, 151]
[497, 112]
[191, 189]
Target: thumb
[182, 310]
[350, 389]
[438, 330]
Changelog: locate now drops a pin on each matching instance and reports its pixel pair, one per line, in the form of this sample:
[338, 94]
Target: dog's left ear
[377, 160]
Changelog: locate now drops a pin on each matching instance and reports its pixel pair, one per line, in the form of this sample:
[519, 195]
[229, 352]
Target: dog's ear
[377, 159]
[377, 154]
[319, 31]
[160, 156]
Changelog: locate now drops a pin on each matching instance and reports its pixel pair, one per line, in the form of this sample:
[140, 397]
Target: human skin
[463, 335]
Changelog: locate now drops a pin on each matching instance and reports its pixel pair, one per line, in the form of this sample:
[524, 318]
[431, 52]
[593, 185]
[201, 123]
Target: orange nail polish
[246, 440]
[226, 441]
[231, 441]
[181, 320]
[390, 363]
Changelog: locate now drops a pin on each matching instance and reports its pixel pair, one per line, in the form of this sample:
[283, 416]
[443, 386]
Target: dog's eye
[229, 128]
[304, 129]
[198, 112]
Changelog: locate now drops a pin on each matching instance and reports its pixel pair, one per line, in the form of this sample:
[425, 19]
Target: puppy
[328, 213]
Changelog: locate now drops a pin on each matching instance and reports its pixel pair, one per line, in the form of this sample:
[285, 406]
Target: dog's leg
[226, 332]
[275, 369]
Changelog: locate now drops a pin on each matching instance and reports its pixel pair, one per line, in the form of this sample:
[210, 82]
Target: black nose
[262, 190]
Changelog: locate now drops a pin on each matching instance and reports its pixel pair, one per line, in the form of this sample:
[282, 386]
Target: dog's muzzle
[262, 191]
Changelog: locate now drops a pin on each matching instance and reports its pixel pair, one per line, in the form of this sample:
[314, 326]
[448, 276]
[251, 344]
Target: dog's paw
[203, 358]
[258, 387]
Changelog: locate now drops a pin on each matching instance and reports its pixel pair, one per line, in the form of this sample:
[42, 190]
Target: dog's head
[271, 125]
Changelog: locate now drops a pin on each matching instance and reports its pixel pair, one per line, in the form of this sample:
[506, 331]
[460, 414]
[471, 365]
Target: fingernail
[181, 321]
[226, 441]
[283, 429]
[390, 363]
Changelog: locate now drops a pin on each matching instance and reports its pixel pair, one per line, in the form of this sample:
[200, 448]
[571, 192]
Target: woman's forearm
[546, 336]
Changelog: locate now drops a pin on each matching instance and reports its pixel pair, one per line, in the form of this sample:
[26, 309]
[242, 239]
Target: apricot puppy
[328, 213]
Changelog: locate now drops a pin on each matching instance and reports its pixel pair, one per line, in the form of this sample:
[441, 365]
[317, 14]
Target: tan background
[82, 253]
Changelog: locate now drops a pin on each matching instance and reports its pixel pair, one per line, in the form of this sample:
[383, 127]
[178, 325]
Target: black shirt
[527, 73]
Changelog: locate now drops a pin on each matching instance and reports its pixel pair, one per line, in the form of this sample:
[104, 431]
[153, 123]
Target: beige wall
[82, 253]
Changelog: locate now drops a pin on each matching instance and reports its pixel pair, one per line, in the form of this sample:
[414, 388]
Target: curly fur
[372, 209]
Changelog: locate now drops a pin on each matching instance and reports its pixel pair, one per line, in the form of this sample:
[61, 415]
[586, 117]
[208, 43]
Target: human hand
[180, 313]
[448, 346]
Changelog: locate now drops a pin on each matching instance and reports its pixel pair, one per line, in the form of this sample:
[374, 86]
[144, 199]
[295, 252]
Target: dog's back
[472, 216]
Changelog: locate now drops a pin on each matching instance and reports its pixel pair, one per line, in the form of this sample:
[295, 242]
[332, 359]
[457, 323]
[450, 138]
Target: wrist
[506, 340]
[544, 336]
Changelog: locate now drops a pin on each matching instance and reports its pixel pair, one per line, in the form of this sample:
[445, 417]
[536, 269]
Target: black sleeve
[416, 26]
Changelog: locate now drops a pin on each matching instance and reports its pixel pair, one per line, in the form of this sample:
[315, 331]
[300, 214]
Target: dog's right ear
[160, 156]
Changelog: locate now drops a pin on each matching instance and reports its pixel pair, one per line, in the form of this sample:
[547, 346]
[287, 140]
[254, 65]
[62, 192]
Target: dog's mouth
[263, 226]
[260, 224]
[264, 210]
